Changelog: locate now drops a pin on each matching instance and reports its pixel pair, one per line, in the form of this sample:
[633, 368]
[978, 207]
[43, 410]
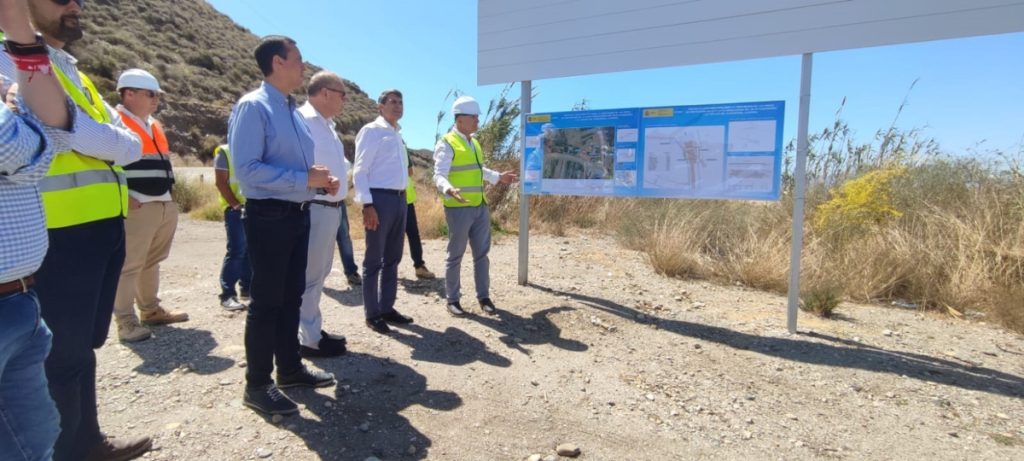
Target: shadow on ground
[172, 347]
[351, 296]
[826, 350]
[451, 347]
[363, 418]
[519, 332]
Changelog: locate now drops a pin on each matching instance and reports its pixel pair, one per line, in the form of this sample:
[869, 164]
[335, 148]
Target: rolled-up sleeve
[112, 142]
[247, 142]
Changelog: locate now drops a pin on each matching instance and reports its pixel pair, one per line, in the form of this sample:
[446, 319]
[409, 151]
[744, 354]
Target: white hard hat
[465, 105]
[138, 78]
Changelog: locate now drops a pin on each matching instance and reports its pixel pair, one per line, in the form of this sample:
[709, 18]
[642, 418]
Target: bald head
[327, 93]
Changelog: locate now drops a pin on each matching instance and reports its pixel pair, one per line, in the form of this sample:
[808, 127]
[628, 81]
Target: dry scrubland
[933, 233]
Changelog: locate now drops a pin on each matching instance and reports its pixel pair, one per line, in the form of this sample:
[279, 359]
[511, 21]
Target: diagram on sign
[688, 158]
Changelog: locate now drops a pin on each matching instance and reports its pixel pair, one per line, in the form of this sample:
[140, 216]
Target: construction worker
[152, 215]
[459, 175]
[86, 200]
[236, 270]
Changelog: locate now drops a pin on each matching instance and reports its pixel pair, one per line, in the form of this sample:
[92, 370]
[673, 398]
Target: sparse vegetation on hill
[201, 57]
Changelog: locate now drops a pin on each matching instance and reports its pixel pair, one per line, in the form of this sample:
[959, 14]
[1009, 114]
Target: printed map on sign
[730, 151]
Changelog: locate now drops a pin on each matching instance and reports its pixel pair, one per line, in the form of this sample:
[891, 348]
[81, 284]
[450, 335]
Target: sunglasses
[65, 2]
[340, 92]
[152, 94]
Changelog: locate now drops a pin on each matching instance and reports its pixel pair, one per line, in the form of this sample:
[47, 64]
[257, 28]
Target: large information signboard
[719, 151]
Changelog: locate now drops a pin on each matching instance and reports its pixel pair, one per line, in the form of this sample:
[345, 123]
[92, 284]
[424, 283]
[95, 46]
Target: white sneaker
[232, 304]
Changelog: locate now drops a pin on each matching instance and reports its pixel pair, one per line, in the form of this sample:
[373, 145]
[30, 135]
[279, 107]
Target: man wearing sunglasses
[86, 200]
[152, 215]
[326, 100]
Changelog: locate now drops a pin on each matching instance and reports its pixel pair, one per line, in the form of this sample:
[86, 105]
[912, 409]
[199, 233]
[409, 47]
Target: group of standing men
[291, 169]
[85, 190]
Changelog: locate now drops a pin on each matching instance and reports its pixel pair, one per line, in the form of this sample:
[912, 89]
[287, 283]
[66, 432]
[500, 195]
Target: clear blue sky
[970, 90]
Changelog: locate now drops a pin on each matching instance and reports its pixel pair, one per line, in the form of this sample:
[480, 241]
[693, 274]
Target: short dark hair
[383, 98]
[270, 46]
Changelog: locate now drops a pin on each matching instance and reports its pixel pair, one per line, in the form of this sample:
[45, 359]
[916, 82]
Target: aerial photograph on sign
[579, 153]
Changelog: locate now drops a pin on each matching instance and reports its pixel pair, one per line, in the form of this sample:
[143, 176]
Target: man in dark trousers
[272, 151]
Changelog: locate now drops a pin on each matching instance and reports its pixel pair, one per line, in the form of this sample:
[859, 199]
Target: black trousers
[412, 233]
[76, 286]
[277, 234]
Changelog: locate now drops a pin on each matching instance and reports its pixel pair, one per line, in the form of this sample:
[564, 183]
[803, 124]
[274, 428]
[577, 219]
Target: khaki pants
[148, 234]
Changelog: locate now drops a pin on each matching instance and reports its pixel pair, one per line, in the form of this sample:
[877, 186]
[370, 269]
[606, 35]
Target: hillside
[202, 58]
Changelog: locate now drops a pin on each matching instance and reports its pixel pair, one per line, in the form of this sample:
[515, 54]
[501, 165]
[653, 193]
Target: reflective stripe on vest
[466, 173]
[152, 174]
[232, 181]
[80, 189]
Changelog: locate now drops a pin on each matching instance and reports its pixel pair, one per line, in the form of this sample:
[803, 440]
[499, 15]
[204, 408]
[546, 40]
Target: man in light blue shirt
[272, 152]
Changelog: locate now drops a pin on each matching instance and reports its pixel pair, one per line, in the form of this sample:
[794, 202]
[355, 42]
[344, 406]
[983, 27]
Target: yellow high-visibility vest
[222, 150]
[80, 189]
[467, 172]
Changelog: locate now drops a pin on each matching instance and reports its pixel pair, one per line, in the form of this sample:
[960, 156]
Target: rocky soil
[597, 355]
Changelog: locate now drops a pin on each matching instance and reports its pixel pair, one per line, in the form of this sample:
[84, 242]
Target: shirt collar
[62, 55]
[145, 123]
[310, 111]
[380, 121]
[276, 95]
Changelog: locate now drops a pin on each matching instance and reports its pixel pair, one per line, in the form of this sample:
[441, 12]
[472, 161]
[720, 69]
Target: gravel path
[598, 352]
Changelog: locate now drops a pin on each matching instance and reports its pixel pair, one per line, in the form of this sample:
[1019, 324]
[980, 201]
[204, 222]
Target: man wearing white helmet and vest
[459, 174]
[152, 215]
[85, 199]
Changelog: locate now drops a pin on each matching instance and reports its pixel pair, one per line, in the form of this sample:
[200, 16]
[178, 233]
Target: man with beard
[85, 199]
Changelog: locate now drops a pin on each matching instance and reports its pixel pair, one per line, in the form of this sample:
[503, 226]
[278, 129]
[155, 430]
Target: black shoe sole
[310, 353]
[317, 384]
[269, 412]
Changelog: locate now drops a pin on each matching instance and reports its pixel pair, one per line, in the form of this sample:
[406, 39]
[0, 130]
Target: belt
[387, 191]
[301, 206]
[17, 286]
[327, 203]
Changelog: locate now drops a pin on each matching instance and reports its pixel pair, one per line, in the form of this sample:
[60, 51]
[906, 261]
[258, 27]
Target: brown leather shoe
[114, 449]
[161, 316]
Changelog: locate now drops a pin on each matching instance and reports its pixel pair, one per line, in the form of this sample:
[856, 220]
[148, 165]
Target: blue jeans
[348, 260]
[278, 233]
[29, 422]
[236, 269]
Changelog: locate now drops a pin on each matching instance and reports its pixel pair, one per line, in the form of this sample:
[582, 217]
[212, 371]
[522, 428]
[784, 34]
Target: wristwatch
[22, 49]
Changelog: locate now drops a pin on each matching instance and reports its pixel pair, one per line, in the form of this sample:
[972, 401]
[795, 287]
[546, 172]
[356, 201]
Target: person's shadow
[353, 296]
[451, 347]
[825, 350]
[424, 287]
[171, 348]
[363, 418]
[518, 331]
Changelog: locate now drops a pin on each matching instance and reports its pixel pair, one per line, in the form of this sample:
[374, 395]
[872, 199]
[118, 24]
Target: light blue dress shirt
[271, 146]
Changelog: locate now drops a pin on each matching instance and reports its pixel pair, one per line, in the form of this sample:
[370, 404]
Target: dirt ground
[598, 351]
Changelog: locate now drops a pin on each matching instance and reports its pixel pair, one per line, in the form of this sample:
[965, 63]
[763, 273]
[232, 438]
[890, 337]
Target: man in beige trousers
[152, 214]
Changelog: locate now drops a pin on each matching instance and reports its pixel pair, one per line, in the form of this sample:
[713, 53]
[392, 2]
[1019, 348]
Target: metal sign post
[800, 176]
[525, 103]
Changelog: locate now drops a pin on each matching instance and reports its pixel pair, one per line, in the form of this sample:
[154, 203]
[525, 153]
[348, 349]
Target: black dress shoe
[379, 325]
[396, 318]
[340, 338]
[487, 305]
[456, 309]
[327, 347]
[305, 377]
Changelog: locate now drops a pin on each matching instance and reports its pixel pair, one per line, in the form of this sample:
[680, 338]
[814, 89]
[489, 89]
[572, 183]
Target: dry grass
[957, 245]
[192, 195]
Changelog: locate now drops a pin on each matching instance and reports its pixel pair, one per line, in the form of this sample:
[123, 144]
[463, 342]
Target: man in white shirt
[326, 93]
[380, 175]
